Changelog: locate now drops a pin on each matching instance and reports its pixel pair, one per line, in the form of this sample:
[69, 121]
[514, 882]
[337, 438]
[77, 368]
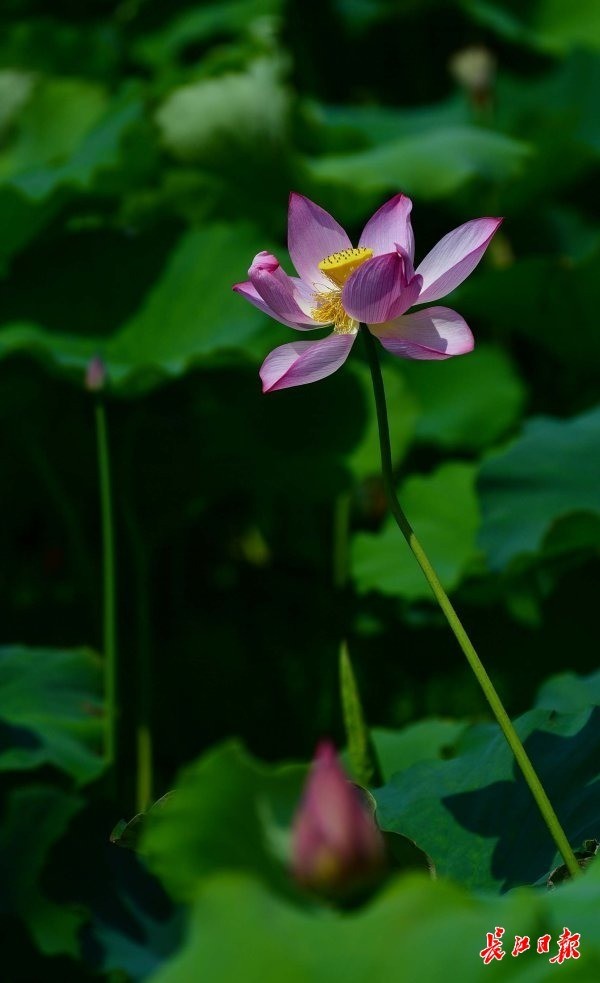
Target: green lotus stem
[144, 780]
[109, 584]
[142, 703]
[144, 742]
[537, 790]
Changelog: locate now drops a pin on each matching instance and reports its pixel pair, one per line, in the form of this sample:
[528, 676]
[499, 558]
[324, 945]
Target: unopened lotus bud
[337, 848]
[95, 375]
[475, 69]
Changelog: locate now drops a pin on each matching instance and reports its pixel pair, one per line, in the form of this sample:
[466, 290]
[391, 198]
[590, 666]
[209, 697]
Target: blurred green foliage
[147, 150]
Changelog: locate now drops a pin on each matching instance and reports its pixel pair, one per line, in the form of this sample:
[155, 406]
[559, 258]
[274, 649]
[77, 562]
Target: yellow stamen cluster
[339, 266]
[329, 310]
[328, 303]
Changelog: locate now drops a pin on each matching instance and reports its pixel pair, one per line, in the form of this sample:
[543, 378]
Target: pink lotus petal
[249, 292]
[277, 289]
[246, 290]
[407, 298]
[434, 333]
[454, 257]
[373, 293]
[390, 226]
[305, 361]
[312, 236]
[409, 269]
[264, 261]
[304, 295]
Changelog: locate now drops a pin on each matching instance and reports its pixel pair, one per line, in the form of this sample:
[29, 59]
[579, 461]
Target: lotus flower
[374, 283]
[337, 847]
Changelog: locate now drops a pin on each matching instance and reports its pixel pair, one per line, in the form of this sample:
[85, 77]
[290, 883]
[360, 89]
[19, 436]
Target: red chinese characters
[493, 949]
[568, 946]
[522, 944]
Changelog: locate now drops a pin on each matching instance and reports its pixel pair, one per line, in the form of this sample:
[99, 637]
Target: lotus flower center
[328, 303]
[339, 266]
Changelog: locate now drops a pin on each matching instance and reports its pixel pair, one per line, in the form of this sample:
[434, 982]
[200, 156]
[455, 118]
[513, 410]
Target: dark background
[237, 514]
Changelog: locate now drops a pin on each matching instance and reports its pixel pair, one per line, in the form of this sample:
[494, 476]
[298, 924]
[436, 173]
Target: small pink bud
[263, 262]
[95, 375]
[337, 848]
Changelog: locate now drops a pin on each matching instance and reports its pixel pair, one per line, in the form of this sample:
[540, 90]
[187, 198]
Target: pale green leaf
[417, 930]
[35, 818]
[469, 402]
[443, 509]
[429, 165]
[552, 470]
[51, 706]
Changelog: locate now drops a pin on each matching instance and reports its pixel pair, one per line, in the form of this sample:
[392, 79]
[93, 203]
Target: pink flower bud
[337, 848]
[95, 376]
[263, 262]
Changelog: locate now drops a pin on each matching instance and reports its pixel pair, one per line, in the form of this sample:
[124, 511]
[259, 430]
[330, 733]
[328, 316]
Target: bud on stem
[337, 848]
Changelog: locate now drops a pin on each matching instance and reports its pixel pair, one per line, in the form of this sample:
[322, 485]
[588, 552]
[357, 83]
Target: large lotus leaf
[578, 532]
[22, 219]
[227, 812]
[417, 930]
[35, 818]
[50, 127]
[537, 297]
[53, 45]
[192, 311]
[429, 165]
[379, 124]
[443, 510]
[51, 710]
[569, 693]
[72, 161]
[563, 26]
[200, 24]
[474, 814]
[43, 171]
[550, 25]
[425, 740]
[140, 953]
[552, 470]
[569, 94]
[138, 930]
[466, 402]
[15, 91]
[189, 315]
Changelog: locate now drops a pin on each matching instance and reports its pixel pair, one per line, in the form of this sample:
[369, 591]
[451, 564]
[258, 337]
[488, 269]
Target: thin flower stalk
[109, 632]
[522, 758]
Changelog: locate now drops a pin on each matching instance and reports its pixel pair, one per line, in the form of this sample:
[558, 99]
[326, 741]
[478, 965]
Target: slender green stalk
[140, 555]
[144, 777]
[144, 742]
[109, 584]
[537, 790]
